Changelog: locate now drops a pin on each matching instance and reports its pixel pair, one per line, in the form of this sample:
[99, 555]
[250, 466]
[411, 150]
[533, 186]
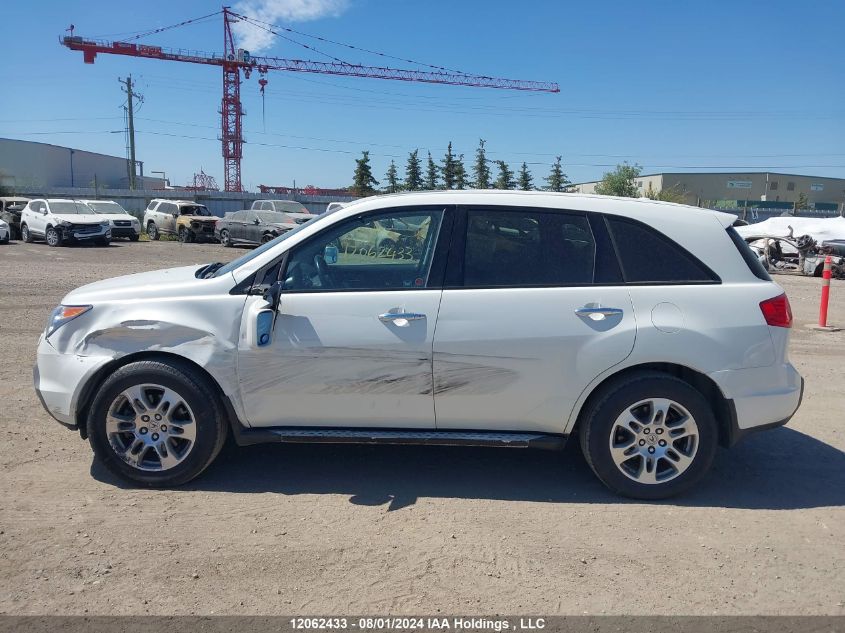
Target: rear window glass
[748, 254]
[647, 256]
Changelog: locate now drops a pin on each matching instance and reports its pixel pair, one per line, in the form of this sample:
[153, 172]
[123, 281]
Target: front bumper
[102, 232]
[59, 379]
[125, 231]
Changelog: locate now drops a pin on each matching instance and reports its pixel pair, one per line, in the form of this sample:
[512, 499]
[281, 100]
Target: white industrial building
[27, 166]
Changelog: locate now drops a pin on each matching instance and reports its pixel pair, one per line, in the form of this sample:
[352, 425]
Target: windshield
[107, 207]
[15, 206]
[271, 217]
[194, 209]
[68, 208]
[240, 261]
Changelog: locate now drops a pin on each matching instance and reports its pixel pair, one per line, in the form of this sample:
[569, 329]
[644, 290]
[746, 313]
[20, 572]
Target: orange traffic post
[825, 292]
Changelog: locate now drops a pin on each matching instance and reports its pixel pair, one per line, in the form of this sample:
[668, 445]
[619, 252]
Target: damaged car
[520, 320]
[251, 227]
[122, 223]
[58, 221]
[801, 255]
[10, 212]
[189, 221]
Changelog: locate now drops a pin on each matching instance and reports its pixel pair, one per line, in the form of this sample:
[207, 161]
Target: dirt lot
[321, 529]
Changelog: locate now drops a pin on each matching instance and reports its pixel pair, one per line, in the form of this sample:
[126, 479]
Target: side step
[303, 435]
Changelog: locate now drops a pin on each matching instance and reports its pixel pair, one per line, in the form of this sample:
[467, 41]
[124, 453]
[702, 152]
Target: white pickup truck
[296, 212]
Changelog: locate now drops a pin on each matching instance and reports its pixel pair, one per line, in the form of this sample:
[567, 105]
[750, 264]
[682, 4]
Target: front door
[352, 342]
[523, 327]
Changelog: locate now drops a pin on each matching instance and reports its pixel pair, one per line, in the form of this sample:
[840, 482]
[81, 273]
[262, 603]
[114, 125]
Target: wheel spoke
[169, 402]
[659, 410]
[648, 470]
[166, 455]
[137, 397]
[117, 423]
[184, 430]
[678, 460]
[134, 455]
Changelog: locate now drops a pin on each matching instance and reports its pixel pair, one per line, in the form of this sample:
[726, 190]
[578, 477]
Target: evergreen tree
[431, 174]
[460, 173]
[620, 182]
[363, 181]
[449, 168]
[413, 172]
[505, 178]
[526, 182]
[392, 179]
[557, 180]
[481, 171]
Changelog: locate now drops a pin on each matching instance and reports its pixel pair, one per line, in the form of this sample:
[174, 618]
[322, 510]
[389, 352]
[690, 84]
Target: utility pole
[130, 116]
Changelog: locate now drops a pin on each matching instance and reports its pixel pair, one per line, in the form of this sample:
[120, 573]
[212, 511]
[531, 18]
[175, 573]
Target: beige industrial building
[732, 189]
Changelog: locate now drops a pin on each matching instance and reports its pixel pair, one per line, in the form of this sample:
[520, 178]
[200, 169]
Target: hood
[300, 216]
[283, 225]
[200, 218]
[170, 282]
[80, 218]
[118, 216]
[3, 223]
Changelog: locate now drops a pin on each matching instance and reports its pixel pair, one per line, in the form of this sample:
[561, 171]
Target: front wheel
[650, 436]
[156, 423]
[225, 238]
[152, 231]
[103, 241]
[26, 234]
[185, 235]
[134, 237]
[53, 237]
[267, 237]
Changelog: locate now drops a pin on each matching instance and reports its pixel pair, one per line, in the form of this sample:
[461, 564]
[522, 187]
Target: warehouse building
[771, 190]
[27, 166]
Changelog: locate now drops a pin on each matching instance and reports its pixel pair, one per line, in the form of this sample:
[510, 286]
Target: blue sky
[669, 85]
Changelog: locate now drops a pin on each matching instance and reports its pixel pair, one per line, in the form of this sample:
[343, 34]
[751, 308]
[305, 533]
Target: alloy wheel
[151, 427]
[654, 440]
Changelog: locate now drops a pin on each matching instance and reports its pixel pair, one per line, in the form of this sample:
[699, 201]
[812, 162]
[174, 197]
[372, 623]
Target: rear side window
[647, 256]
[750, 257]
[527, 248]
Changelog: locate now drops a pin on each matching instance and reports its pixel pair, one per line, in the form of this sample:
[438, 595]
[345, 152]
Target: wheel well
[722, 407]
[90, 389]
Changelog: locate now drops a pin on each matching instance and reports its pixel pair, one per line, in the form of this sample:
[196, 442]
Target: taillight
[777, 311]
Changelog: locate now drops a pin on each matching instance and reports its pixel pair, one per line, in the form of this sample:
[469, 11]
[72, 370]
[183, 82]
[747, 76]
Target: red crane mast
[235, 61]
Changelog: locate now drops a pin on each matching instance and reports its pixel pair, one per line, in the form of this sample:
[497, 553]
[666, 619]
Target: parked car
[122, 223]
[191, 221]
[58, 221]
[10, 212]
[251, 227]
[522, 319]
[295, 212]
[5, 232]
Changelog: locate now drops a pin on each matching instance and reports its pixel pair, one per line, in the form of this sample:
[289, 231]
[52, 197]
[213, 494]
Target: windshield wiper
[208, 270]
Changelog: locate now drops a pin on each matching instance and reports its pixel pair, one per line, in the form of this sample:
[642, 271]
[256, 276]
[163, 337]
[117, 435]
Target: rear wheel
[53, 237]
[225, 238]
[152, 231]
[156, 423]
[26, 235]
[650, 436]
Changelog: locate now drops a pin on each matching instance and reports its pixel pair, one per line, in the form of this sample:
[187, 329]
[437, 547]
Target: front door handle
[400, 319]
[597, 313]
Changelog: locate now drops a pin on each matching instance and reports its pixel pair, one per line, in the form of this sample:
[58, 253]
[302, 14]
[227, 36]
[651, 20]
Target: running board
[300, 435]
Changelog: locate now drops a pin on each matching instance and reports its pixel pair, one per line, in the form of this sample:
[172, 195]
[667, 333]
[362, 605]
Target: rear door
[532, 310]
[352, 340]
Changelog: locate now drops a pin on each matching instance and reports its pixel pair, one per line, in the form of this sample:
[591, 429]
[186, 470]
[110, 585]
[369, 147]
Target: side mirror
[273, 295]
[175, 215]
[256, 221]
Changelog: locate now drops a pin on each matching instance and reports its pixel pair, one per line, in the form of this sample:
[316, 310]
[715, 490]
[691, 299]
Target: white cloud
[257, 40]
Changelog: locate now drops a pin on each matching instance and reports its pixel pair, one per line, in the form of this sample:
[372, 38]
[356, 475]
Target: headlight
[63, 314]
[104, 223]
[64, 223]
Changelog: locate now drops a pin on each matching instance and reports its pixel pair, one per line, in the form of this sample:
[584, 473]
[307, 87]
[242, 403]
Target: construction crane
[235, 61]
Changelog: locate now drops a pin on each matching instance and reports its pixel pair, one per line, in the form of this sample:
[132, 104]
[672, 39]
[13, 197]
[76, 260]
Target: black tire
[152, 231]
[225, 238]
[186, 236]
[597, 423]
[267, 237]
[103, 242]
[26, 234]
[53, 237]
[134, 238]
[200, 396]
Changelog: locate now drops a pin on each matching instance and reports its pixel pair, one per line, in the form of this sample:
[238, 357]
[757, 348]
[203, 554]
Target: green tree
[803, 202]
[413, 172]
[505, 177]
[481, 171]
[672, 194]
[449, 168]
[620, 182]
[392, 179]
[526, 182]
[557, 180]
[460, 173]
[431, 175]
[363, 182]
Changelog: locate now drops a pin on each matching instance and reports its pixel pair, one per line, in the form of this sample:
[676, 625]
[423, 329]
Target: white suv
[511, 319]
[59, 221]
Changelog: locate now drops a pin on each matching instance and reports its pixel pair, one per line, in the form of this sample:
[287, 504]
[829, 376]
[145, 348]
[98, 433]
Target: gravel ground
[400, 530]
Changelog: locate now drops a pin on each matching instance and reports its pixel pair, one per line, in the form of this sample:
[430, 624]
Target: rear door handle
[400, 319]
[598, 313]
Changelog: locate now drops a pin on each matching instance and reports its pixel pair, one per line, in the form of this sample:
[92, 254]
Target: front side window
[648, 256]
[385, 251]
[527, 248]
